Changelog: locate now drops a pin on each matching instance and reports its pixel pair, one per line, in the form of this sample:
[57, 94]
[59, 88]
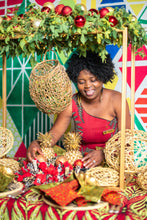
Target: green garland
[21, 36]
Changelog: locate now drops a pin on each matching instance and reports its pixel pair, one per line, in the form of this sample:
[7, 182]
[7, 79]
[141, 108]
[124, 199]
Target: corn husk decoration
[6, 177]
[71, 142]
[45, 143]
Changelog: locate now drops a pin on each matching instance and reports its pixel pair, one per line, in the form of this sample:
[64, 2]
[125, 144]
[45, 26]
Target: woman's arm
[58, 129]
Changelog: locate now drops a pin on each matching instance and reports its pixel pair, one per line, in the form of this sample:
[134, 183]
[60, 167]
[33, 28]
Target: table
[30, 206]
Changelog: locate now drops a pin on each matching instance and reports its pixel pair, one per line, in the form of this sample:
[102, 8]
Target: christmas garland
[39, 29]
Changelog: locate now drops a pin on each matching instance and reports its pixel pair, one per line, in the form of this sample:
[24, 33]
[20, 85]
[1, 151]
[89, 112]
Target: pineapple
[71, 143]
[45, 143]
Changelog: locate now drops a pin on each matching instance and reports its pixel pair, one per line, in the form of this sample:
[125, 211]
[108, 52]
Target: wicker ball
[50, 87]
[102, 176]
[10, 163]
[142, 180]
[6, 141]
[135, 152]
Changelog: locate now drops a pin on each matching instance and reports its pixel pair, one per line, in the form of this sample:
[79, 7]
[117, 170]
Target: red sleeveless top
[95, 131]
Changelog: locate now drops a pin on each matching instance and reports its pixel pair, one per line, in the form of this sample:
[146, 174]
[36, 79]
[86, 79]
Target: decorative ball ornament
[79, 21]
[58, 9]
[49, 5]
[36, 23]
[103, 12]
[134, 18]
[82, 7]
[66, 10]
[45, 9]
[6, 177]
[110, 9]
[93, 11]
[113, 20]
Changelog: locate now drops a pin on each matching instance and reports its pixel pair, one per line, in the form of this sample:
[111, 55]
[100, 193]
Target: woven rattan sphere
[135, 152]
[142, 180]
[50, 87]
[6, 141]
[102, 176]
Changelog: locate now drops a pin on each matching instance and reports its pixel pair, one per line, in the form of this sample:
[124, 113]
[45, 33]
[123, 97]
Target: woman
[96, 111]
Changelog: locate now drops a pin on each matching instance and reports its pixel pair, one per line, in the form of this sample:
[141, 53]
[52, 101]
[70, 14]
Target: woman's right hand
[33, 149]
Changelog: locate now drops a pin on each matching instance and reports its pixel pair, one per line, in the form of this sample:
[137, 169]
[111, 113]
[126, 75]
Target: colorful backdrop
[24, 119]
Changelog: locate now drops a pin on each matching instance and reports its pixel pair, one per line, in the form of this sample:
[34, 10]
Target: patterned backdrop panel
[24, 119]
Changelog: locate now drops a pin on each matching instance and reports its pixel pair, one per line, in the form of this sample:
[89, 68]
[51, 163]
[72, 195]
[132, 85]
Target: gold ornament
[49, 5]
[45, 143]
[71, 143]
[83, 7]
[36, 23]
[6, 177]
[110, 9]
[134, 18]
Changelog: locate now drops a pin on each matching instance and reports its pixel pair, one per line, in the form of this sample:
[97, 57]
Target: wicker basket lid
[6, 141]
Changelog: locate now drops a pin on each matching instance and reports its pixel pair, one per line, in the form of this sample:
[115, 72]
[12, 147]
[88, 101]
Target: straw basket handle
[49, 51]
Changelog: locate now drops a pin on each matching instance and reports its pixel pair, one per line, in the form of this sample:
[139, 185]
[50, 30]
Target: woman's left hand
[93, 158]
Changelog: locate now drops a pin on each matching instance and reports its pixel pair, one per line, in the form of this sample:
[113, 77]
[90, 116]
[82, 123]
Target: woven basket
[6, 141]
[11, 163]
[102, 176]
[50, 87]
[135, 151]
[142, 180]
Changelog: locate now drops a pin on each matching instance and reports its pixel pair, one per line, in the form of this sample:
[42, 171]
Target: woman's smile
[88, 84]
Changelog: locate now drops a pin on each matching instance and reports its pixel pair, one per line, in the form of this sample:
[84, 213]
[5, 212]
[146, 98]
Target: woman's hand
[93, 158]
[33, 149]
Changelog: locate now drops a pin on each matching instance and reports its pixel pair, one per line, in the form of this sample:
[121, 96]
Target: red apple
[79, 21]
[103, 12]
[66, 10]
[113, 20]
[45, 9]
[58, 9]
[93, 11]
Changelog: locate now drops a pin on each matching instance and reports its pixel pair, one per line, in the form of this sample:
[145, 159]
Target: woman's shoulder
[112, 93]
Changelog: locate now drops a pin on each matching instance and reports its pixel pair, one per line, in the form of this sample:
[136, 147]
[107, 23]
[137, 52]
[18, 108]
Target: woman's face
[88, 84]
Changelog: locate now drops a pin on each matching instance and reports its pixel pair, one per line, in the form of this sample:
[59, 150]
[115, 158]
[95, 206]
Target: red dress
[95, 131]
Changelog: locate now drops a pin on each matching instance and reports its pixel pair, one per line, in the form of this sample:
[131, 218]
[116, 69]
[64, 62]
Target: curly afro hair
[104, 71]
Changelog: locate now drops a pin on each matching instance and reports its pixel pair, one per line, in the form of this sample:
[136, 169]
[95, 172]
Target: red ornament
[45, 9]
[58, 9]
[79, 21]
[103, 12]
[113, 20]
[79, 163]
[93, 11]
[66, 10]
[8, 18]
